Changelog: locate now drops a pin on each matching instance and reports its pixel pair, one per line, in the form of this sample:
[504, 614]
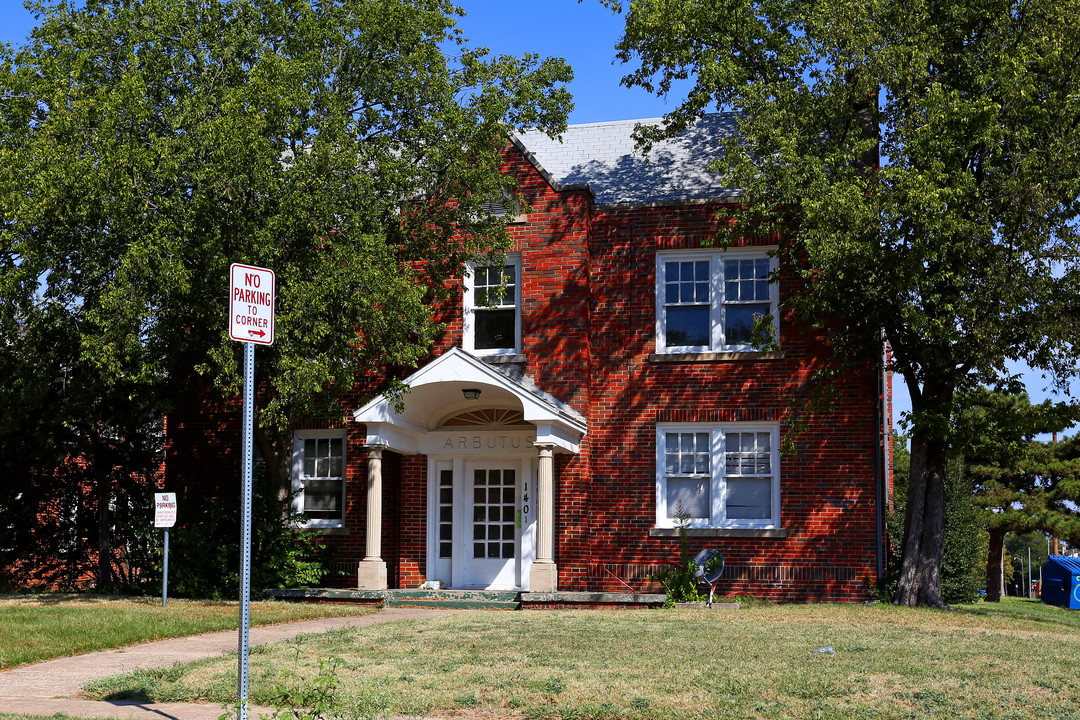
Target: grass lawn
[1019, 660]
[42, 626]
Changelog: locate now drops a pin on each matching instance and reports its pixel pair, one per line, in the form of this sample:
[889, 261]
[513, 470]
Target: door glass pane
[446, 513]
[494, 516]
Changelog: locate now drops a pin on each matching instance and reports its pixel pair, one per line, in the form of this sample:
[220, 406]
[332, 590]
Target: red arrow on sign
[260, 333]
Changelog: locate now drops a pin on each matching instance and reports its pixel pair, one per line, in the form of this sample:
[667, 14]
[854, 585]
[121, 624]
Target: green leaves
[955, 243]
[147, 144]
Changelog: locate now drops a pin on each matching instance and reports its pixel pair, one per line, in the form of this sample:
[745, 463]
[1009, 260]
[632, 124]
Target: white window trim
[718, 481]
[468, 323]
[716, 297]
[297, 473]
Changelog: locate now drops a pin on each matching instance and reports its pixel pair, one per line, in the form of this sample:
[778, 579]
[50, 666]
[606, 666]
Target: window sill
[501, 359]
[715, 356]
[721, 532]
[327, 529]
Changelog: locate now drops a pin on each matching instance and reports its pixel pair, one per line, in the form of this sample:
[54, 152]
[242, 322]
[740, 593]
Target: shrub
[204, 554]
[680, 581]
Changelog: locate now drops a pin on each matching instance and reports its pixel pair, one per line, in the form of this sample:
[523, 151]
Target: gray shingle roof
[604, 157]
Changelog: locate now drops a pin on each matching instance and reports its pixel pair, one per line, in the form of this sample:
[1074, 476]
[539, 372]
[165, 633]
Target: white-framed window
[492, 308]
[318, 476]
[708, 301]
[720, 476]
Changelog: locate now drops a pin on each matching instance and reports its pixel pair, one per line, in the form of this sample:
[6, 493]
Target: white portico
[490, 442]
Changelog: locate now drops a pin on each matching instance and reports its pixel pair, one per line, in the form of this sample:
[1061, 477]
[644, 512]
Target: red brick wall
[827, 484]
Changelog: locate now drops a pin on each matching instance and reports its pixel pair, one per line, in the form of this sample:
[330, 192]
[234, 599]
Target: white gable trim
[403, 432]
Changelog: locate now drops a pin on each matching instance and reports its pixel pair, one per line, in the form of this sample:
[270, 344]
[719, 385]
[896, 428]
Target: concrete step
[466, 599]
[454, 603]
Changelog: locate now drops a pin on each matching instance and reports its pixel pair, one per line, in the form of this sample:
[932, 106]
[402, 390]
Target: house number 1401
[524, 502]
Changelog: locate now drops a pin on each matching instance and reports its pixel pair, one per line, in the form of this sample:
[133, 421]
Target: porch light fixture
[471, 393]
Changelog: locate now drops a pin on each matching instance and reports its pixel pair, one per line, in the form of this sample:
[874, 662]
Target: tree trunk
[278, 478]
[924, 526]
[102, 473]
[995, 576]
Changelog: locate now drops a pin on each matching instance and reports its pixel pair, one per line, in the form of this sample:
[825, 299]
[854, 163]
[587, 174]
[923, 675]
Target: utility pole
[1029, 573]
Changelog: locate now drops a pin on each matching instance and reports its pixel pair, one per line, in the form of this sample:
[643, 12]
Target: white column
[544, 576]
[373, 549]
[371, 573]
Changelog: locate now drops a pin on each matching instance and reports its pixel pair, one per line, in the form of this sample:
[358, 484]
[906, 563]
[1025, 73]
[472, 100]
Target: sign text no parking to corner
[251, 304]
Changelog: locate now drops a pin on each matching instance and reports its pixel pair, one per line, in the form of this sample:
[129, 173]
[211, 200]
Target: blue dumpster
[1061, 582]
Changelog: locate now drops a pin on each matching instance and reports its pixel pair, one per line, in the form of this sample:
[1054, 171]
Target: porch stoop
[471, 599]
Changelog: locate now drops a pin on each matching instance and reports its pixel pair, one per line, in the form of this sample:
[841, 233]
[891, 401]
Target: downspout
[881, 458]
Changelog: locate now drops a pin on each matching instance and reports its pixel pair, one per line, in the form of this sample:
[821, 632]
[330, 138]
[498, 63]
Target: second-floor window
[492, 308]
[710, 301]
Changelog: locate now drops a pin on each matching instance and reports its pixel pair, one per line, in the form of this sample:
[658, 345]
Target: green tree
[78, 461]
[1021, 484]
[350, 146]
[958, 247]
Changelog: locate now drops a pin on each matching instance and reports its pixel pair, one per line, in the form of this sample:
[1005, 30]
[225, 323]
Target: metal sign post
[165, 573]
[251, 321]
[245, 531]
[165, 517]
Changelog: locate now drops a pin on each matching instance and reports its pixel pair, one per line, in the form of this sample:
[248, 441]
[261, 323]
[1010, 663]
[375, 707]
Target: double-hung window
[720, 476]
[492, 308]
[709, 301]
[318, 471]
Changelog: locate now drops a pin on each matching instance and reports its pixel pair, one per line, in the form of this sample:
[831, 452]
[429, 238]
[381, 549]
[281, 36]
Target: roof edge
[555, 185]
[721, 199]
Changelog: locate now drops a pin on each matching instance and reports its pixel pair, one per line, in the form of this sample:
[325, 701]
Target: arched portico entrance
[490, 443]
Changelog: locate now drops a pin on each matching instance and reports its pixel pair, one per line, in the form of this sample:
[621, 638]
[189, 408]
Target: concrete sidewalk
[48, 687]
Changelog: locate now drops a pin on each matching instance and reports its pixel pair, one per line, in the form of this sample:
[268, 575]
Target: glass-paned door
[490, 550]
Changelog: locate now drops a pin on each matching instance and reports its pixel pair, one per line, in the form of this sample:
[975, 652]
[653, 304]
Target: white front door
[481, 522]
[489, 547]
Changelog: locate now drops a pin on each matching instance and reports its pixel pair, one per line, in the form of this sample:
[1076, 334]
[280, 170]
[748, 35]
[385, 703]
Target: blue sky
[584, 34]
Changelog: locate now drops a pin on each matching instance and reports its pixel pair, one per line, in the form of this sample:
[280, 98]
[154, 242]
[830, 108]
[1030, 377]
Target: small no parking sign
[164, 510]
[165, 517]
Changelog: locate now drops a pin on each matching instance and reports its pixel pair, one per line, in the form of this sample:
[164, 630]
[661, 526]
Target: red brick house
[594, 381]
